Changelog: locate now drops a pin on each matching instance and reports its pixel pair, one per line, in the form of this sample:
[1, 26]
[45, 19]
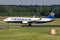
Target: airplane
[30, 20]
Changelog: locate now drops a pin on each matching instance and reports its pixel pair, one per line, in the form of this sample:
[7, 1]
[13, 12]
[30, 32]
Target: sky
[29, 2]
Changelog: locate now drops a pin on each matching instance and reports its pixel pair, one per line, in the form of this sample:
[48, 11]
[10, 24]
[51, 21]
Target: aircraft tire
[29, 24]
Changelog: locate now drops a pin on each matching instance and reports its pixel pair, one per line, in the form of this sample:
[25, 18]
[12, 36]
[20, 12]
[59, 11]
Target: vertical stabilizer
[52, 14]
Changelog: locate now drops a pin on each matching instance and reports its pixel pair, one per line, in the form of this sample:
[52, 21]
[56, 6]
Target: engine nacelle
[24, 21]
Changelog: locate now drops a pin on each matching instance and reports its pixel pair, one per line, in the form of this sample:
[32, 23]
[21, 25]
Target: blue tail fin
[52, 14]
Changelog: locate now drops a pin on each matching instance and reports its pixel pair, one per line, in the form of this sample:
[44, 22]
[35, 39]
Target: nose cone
[4, 20]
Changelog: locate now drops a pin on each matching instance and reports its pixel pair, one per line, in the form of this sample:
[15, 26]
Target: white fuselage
[26, 19]
[20, 19]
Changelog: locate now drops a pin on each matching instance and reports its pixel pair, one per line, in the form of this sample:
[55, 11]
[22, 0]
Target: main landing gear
[29, 24]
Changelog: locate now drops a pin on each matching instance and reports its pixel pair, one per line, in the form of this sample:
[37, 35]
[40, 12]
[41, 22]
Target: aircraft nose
[4, 20]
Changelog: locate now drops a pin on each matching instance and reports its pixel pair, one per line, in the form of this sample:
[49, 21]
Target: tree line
[28, 10]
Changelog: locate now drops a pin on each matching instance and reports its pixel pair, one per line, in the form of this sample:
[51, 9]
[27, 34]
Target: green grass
[33, 33]
[28, 34]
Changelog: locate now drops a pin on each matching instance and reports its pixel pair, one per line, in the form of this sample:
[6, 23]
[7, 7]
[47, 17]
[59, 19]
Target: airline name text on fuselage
[21, 19]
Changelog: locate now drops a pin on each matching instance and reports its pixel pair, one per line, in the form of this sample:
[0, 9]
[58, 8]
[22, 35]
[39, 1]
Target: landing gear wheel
[29, 24]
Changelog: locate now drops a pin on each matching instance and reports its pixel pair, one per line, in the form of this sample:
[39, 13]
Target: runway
[18, 26]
